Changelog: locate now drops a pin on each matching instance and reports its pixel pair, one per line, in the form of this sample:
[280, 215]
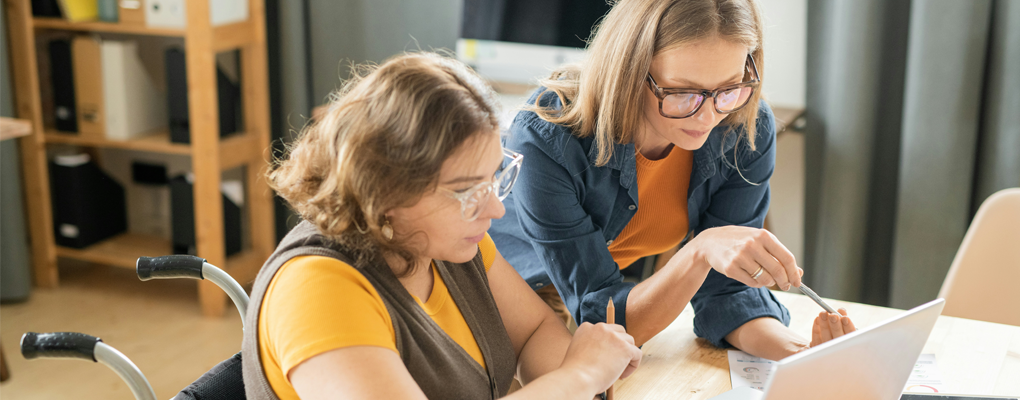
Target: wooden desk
[787, 117]
[11, 128]
[974, 357]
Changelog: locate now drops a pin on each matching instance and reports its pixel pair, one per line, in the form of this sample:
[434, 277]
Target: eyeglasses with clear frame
[474, 199]
[677, 103]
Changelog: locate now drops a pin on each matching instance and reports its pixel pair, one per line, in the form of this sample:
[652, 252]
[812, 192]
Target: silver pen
[814, 296]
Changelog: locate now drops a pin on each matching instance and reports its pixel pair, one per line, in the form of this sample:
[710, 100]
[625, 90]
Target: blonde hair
[603, 95]
[380, 146]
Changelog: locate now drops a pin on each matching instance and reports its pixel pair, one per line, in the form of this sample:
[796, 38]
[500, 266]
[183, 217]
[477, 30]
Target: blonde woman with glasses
[390, 287]
[660, 138]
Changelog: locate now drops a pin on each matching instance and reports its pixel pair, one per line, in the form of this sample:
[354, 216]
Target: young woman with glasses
[390, 287]
[660, 138]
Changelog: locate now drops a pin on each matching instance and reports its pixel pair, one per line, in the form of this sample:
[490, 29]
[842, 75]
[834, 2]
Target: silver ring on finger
[758, 273]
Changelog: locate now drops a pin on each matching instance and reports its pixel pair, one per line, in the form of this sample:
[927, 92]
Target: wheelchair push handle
[59, 345]
[87, 347]
[187, 266]
[170, 267]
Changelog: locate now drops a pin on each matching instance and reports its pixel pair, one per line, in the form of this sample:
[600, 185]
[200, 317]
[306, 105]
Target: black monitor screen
[549, 22]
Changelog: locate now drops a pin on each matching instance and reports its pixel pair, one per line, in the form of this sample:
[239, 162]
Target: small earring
[387, 230]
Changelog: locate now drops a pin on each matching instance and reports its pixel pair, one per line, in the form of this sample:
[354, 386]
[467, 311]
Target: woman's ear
[391, 214]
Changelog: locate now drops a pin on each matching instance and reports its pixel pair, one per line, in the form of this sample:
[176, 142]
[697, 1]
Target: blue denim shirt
[564, 212]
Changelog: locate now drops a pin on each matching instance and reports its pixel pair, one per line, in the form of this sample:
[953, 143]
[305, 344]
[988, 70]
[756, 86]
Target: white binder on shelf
[133, 104]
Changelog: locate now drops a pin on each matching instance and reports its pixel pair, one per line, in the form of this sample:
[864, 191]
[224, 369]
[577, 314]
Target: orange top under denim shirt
[661, 221]
[315, 304]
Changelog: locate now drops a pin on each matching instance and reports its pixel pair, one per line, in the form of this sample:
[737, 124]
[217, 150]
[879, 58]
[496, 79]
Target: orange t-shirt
[315, 304]
[661, 219]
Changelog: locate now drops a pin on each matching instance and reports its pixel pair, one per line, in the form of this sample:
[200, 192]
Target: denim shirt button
[632, 207]
[540, 284]
[609, 242]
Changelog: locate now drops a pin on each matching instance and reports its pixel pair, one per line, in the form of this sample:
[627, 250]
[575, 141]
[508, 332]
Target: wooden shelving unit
[157, 142]
[98, 26]
[210, 154]
[124, 249]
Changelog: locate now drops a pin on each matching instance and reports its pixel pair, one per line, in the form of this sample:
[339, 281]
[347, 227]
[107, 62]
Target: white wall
[784, 85]
[785, 48]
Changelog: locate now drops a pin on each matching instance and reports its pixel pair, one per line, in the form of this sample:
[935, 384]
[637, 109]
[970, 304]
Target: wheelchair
[224, 381]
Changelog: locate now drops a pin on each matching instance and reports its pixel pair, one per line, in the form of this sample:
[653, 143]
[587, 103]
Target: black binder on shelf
[62, 82]
[182, 214]
[45, 8]
[228, 98]
[88, 205]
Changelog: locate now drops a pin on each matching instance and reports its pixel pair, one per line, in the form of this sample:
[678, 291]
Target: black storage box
[88, 205]
[228, 98]
[182, 213]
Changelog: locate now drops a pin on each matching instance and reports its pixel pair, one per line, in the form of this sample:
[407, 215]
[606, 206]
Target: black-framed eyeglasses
[679, 103]
[474, 199]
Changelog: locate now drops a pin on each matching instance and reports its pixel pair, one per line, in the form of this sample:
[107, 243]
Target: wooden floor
[157, 324]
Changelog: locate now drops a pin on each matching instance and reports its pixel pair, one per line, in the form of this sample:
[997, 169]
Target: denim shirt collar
[622, 160]
[719, 141]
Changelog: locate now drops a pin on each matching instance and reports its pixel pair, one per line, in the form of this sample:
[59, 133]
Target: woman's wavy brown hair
[602, 96]
[380, 146]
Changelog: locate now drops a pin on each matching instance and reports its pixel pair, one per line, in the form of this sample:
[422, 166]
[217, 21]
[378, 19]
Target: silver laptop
[872, 363]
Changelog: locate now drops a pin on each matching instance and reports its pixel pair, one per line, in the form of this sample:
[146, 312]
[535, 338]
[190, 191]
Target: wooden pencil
[610, 319]
[610, 312]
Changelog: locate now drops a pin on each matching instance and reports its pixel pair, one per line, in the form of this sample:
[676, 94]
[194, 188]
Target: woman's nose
[707, 114]
[493, 211]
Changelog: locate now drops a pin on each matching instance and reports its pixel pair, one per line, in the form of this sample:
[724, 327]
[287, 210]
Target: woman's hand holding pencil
[603, 352]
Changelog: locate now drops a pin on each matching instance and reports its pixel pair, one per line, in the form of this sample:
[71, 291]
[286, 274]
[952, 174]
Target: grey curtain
[345, 31]
[913, 120]
[15, 260]
[290, 85]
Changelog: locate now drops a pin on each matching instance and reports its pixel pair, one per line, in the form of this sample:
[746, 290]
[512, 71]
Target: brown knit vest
[439, 365]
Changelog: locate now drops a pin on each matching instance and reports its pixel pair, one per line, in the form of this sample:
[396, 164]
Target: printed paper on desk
[925, 377]
[749, 371]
